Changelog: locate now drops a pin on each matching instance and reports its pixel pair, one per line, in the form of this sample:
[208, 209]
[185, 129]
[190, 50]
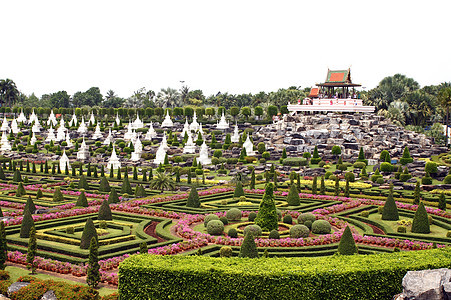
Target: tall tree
[31, 253]
[93, 272]
[444, 97]
[8, 92]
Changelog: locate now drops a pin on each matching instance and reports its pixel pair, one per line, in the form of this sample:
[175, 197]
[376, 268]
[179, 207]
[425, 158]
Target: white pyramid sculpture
[64, 161]
[32, 118]
[201, 131]
[190, 147]
[118, 121]
[5, 145]
[51, 135]
[222, 124]
[236, 136]
[92, 120]
[249, 147]
[82, 128]
[113, 162]
[185, 128]
[61, 131]
[83, 151]
[150, 133]
[35, 128]
[164, 142]
[5, 126]
[167, 122]
[14, 126]
[203, 155]
[109, 138]
[52, 119]
[138, 123]
[194, 125]
[21, 118]
[136, 155]
[68, 141]
[128, 134]
[33, 139]
[97, 133]
[160, 155]
[73, 121]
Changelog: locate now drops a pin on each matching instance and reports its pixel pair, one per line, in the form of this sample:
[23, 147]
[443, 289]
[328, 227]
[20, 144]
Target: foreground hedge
[338, 277]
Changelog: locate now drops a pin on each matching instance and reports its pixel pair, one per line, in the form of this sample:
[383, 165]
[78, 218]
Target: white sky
[228, 46]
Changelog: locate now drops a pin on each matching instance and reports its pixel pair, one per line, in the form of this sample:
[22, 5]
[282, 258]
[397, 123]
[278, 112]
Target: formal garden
[182, 204]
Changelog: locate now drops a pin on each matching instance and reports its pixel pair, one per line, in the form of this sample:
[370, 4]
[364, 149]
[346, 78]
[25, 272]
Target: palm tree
[8, 92]
[168, 98]
[162, 181]
[444, 97]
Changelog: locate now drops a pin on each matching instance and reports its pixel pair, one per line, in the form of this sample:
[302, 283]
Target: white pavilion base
[332, 105]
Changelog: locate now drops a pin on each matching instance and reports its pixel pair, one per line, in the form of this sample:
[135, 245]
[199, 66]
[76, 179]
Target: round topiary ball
[215, 227]
[209, 218]
[232, 233]
[224, 220]
[225, 251]
[255, 230]
[274, 234]
[233, 214]
[252, 216]
[298, 231]
[288, 219]
[308, 223]
[306, 217]
[321, 227]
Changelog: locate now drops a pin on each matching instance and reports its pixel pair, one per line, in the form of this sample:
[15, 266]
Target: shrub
[321, 227]
[57, 195]
[267, 215]
[347, 244]
[82, 183]
[342, 167]
[448, 234]
[193, 198]
[252, 216]
[386, 167]
[328, 174]
[233, 214]
[359, 165]
[380, 181]
[82, 201]
[105, 211]
[431, 167]
[89, 232]
[215, 227]
[350, 176]
[365, 214]
[225, 251]
[406, 157]
[427, 179]
[333, 177]
[404, 177]
[383, 155]
[232, 233]
[308, 223]
[254, 229]
[447, 179]
[209, 218]
[238, 190]
[401, 229]
[70, 230]
[294, 161]
[302, 218]
[224, 220]
[27, 224]
[288, 219]
[17, 177]
[104, 185]
[248, 248]
[376, 175]
[298, 231]
[20, 190]
[420, 223]
[274, 234]
[293, 196]
[113, 197]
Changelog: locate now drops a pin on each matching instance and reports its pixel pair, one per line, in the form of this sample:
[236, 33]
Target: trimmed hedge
[344, 277]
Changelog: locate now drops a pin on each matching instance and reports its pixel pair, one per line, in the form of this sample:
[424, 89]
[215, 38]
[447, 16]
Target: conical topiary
[420, 223]
[88, 233]
[267, 215]
[347, 244]
[83, 184]
[390, 211]
[238, 190]
[140, 192]
[113, 197]
[248, 247]
[2, 174]
[30, 205]
[126, 187]
[193, 198]
[57, 195]
[104, 185]
[82, 201]
[293, 196]
[17, 176]
[105, 211]
[20, 190]
[27, 223]
[442, 202]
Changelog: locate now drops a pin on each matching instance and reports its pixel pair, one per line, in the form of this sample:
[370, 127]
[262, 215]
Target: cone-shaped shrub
[238, 190]
[267, 215]
[126, 187]
[249, 248]
[93, 271]
[31, 253]
[57, 195]
[140, 192]
[30, 205]
[442, 202]
[27, 223]
[3, 247]
[252, 184]
[39, 194]
[1, 212]
[17, 176]
[417, 193]
[193, 198]
[20, 190]
[2, 174]
[113, 197]
[420, 223]
[390, 212]
[88, 233]
[82, 201]
[104, 185]
[105, 211]
[293, 196]
[347, 243]
[82, 183]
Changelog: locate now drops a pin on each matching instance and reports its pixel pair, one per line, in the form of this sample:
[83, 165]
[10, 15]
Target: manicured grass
[16, 272]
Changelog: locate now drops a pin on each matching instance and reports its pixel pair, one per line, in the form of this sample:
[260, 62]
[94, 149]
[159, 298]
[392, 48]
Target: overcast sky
[228, 46]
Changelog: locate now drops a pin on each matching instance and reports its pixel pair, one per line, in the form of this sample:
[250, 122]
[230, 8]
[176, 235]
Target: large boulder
[426, 284]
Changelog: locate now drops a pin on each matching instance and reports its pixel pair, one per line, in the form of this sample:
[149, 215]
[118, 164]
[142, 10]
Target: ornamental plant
[406, 157]
[82, 183]
[126, 187]
[2, 174]
[3, 246]
[113, 197]
[293, 196]
[104, 185]
[315, 185]
[442, 202]
[105, 211]
[252, 184]
[143, 248]
[347, 244]
[420, 223]
[20, 190]
[31, 253]
[140, 192]
[89, 232]
[57, 195]
[417, 194]
[30, 205]
[27, 224]
[39, 194]
[267, 215]
[93, 271]
[193, 198]
[248, 247]
[390, 211]
[238, 190]
[315, 159]
[322, 189]
[17, 176]
[362, 156]
[82, 201]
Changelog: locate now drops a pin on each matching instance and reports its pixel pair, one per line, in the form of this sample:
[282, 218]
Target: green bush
[380, 181]
[328, 174]
[224, 220]
[274, 234]
[105, 211]
[288, 219]
[27, 224]
[405, 159]
[89, 232]
[426, 180]
[376, 176]
[298, 231]
[238, 190]
[302, 218]
[447, 179]
[248, 248]
[82, 201]
[209, 218]
[294, 161]
[267, 215]
[420, 223]
[252, 216]
[193, 198]
[401, 229]
[232, 233]
[347, 244]
[293, 196]
[233, 214]
[365, 214]
[404, 177]
[308, 223]
[225, 251]
[215, 227]
[342, 167]
[254, 229]
[431, 167]
[350, 176]
[321, 227]
[333, 177]
[386, 167]
[390, 212]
